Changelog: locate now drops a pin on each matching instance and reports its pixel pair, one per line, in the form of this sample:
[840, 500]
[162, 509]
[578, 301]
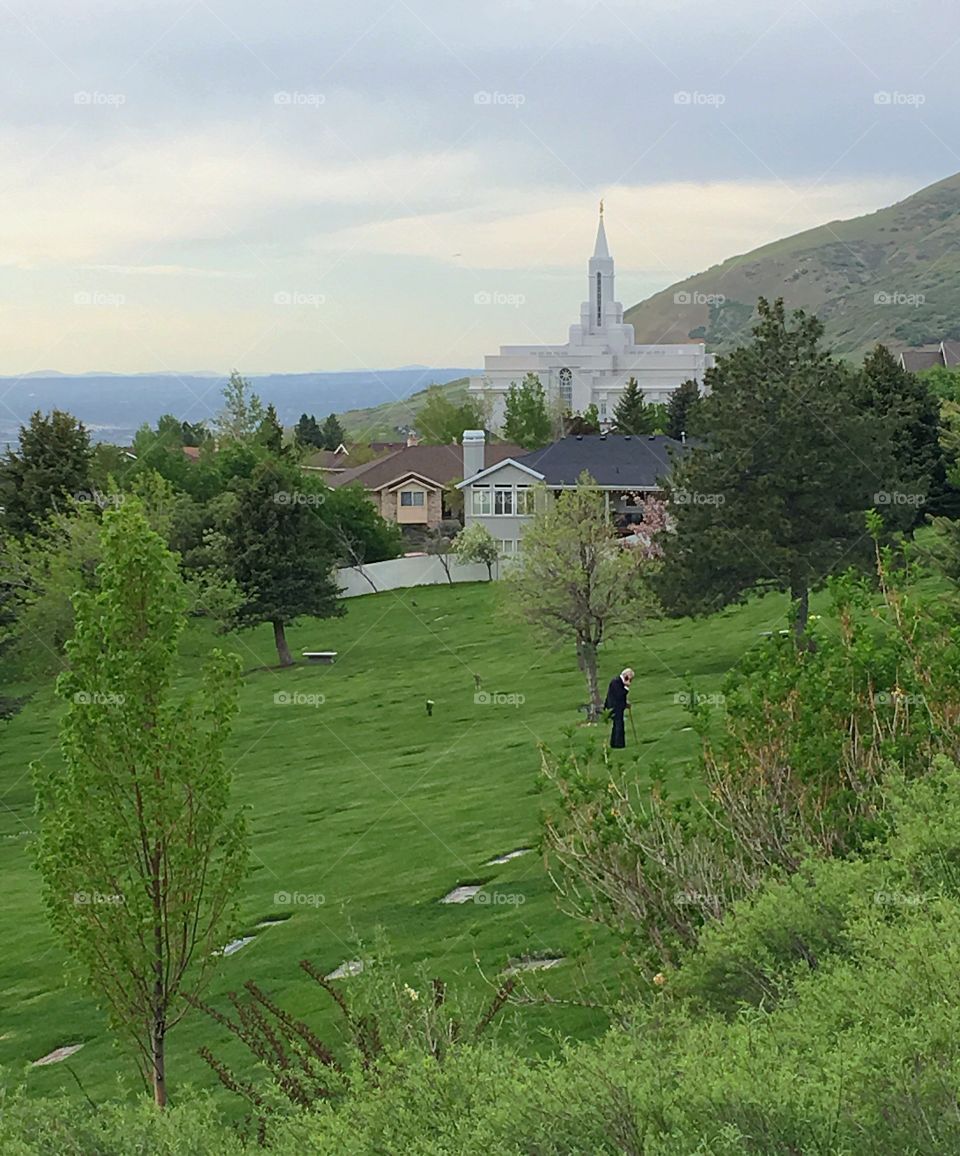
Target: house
[626, 469]
[329, 462]
[407, 485]
[598, 358]
[947, 354]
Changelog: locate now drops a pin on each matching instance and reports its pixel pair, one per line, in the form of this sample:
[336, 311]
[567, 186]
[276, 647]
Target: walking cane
[633, 726]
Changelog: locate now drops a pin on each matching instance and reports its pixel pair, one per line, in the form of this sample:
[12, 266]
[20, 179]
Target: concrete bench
[326, 657]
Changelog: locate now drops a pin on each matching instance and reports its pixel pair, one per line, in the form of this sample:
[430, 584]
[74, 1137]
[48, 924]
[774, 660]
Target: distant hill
[890, 276]
[383, 422]
[114, 406]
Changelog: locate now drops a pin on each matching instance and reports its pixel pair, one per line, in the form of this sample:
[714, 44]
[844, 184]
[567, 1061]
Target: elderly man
[616, 703]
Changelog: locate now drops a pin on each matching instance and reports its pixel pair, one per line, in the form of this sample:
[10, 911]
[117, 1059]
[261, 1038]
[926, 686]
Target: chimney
[412, 439]
[683, 437]
[474, 441]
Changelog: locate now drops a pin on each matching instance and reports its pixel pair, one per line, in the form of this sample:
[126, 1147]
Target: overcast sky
[305, 186]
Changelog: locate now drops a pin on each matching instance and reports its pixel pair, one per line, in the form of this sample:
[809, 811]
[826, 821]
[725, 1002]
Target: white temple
[597, 360]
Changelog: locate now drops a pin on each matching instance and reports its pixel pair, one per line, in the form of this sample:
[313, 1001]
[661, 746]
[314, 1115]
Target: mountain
[383, 422]
[114, 406]
[890, 276]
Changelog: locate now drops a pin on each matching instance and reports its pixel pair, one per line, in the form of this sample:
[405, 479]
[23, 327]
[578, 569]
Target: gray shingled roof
[610, 459]
[914, 360]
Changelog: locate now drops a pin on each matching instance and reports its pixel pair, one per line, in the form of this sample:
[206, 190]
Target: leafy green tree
[139, 856]
[682, 410]
[442, 420]
[776, 499]
[279, 551]
[360, 534]
[308, 432]
[632, 415]
[909, 414]
[574, 582]
[242, 411]
[52, 463]
[476, 544]
[580, 424]
[270, 431]
[332, 433]
[526, 420]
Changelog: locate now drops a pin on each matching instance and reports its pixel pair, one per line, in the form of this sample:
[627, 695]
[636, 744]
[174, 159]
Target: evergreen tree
[53, 463]
[632, 415]
[270, 431]
[526, 420]
[279, 551]
[332, 434]
[681, 409]
[308, 433]
[776, 499]
[906, 409]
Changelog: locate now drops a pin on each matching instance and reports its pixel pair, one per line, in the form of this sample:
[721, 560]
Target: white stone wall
[401, 573]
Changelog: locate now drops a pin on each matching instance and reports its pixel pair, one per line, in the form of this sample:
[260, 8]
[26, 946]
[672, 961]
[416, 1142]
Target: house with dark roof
[407, 485]
[627, 469]
[947, 354]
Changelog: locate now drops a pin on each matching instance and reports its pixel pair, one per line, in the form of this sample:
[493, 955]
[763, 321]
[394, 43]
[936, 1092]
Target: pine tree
[308, 433]
[526, 420]
[632, 415]
[332, 433]
[777, 497]
[52, 464]
[681, 409]
[270, 431]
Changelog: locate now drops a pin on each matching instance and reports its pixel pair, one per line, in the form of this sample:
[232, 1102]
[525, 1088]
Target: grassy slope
[370, 803]
[835, 270]
[379, 422]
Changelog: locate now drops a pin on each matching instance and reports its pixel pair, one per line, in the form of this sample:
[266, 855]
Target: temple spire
[600, 249]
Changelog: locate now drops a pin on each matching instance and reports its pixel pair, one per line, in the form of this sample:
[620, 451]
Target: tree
[278, 550]
[442, 420]
[360, 534]
[139, 857]
[908, 412]
[776, 498]
[682, 409]
[52, 464]
[632, 415]
[308, 433]
[332, 434]
[526, 421]
[477, 544]
[270, 431]
[440, 547]
[573, 580]
[242, 411]
[580, 424]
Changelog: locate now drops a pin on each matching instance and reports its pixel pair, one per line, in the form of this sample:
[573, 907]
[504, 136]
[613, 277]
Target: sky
[290, 187]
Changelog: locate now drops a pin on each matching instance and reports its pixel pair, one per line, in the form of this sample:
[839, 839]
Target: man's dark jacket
[616, 699]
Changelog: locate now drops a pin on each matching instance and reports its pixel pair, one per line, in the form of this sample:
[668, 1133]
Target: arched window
[566, 389]
[599, 302]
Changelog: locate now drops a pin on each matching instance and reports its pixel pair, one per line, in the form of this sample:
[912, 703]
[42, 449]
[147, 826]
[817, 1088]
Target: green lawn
[379, 809]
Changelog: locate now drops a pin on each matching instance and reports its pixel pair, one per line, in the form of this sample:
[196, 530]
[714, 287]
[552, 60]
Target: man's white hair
[624, 673]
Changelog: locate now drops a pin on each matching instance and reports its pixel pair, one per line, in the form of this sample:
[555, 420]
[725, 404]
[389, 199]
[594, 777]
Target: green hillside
[384, 422]
[890, 276]
[368, 811]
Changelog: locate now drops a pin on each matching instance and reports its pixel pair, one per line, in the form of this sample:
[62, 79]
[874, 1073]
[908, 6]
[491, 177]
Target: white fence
[398, 573]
